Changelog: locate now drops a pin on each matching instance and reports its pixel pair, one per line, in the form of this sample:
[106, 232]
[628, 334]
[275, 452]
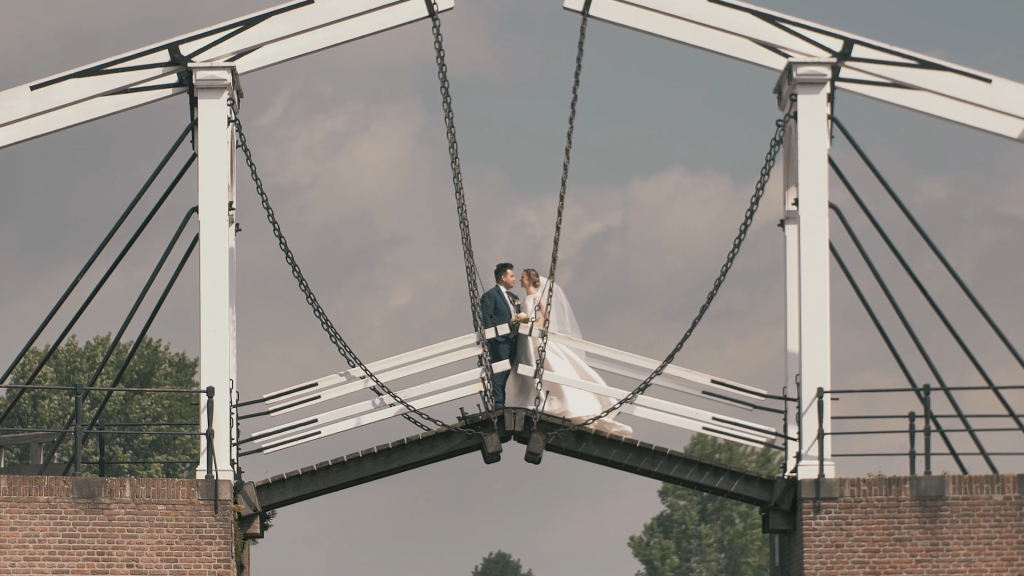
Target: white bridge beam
[159, 71]
[863, 66]
[409, 364]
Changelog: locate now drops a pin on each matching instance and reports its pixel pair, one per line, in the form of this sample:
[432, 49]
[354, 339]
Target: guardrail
[104, 429]
[928, 428]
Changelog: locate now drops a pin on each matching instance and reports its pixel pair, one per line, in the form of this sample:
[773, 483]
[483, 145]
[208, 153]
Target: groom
[499, 306]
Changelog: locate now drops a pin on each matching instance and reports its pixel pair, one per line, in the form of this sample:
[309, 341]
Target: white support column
[214, 85]
[809, 80]
[233, 230]
[791, 229]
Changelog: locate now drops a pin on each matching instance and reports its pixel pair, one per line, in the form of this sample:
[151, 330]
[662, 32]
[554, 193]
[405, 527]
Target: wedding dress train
[567, 402]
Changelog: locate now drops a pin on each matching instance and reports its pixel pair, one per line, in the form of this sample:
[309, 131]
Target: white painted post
[810, 80]
[232, 329]
[791, 229]
[214, 85]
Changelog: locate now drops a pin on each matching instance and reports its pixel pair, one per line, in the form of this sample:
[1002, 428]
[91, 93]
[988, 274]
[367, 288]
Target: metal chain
[748, 218]
[538, 374]
[472, 275]
[325, 322]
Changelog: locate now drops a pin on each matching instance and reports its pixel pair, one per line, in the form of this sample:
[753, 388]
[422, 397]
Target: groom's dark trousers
[496, 312]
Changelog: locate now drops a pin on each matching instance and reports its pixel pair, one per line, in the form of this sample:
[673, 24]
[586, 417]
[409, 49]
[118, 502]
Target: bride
[571, 403]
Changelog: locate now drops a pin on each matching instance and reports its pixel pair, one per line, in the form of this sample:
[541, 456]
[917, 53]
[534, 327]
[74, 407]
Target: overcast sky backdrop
[669, 141]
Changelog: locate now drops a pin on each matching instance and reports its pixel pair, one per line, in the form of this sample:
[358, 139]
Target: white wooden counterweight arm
[150, 74]
[874, 69]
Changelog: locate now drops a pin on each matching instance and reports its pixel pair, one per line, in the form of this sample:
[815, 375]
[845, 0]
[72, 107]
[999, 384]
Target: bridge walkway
[775, 496]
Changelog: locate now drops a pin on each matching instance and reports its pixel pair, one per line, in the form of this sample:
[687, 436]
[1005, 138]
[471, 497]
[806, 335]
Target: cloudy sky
[669, 141]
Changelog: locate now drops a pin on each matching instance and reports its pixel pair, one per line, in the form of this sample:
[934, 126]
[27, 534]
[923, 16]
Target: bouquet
[517, 319]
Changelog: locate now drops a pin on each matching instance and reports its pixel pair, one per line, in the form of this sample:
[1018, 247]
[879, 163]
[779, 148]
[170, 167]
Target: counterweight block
[490, 448]
[535, 448]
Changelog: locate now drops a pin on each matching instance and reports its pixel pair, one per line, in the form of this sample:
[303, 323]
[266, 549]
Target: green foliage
[698, 534]
[154, 366]
[500, 564]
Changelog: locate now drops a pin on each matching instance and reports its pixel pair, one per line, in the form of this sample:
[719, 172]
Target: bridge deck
[776, 494]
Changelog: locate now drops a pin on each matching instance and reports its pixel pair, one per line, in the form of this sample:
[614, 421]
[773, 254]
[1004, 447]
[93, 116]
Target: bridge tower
[216, 99]
[804, 91]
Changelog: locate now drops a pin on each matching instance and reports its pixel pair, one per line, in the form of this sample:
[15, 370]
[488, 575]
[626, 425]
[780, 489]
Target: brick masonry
[59, 525]
[969, 525]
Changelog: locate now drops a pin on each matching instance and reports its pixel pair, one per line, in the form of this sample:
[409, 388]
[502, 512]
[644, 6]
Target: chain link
[325, 322]
[538, 374]
[748, 218]
[472, 274]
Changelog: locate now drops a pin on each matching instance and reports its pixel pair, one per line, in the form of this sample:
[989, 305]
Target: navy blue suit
[496, 312]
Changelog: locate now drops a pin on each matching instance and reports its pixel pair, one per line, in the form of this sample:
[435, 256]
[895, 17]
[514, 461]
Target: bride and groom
[501, 306]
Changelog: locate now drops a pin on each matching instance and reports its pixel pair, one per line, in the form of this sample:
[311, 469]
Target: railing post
[913, 431]
[209, 432]
[928, 429]
[103, 449]
[79, 394]
[238, 434]
[821, 432]
[821, 452]
[785, 430]
[799, 424]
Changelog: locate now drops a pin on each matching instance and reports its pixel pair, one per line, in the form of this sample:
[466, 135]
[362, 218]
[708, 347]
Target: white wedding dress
[570, 403]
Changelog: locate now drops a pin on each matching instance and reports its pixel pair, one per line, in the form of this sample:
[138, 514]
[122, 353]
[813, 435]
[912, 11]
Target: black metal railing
[104, 429]
[929, 424]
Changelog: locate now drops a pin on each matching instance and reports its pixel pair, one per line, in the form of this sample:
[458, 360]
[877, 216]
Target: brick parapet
[965, 525]
[59, 525]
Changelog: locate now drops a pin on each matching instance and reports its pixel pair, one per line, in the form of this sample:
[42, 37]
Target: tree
[153, 366]
[698, 534]
[500, 564]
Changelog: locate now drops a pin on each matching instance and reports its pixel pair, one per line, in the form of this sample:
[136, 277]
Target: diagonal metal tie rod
[96, 253]
[927, 296]
[895, 354]
[924, 236]
[142, 334]
[913, 336]
[99, 285]
[116, 340]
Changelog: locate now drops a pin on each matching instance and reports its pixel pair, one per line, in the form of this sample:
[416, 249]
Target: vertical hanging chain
[748, 219]
[472, 275]
[325, 322]
[538, 374]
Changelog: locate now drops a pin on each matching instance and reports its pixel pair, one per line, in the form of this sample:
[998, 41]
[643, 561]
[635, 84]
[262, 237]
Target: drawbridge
[813, 62]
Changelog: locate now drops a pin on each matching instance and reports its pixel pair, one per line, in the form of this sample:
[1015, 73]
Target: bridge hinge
[779, 515]
[246, 499]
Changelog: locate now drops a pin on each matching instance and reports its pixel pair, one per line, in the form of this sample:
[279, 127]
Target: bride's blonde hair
[533, 276]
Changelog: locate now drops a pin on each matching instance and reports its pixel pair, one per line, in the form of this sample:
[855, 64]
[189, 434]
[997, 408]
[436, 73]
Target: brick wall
[57, 525]
[969, 525]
